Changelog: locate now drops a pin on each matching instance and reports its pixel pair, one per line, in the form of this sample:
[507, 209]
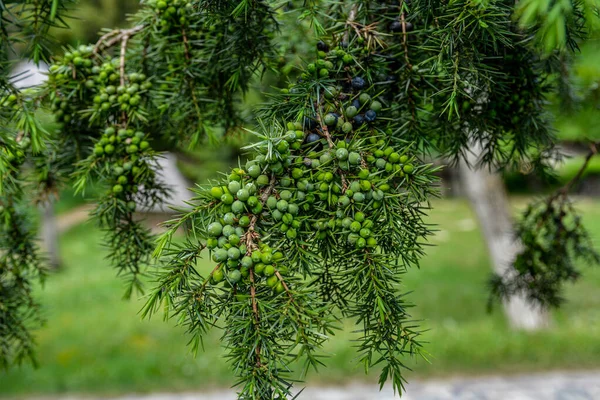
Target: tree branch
[569, 185]
[116, 36]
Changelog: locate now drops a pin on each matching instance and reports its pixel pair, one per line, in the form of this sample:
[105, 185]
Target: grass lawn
[94, 342]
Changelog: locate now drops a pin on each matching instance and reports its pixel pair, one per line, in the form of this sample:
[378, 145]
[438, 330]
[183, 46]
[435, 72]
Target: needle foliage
[327, 213]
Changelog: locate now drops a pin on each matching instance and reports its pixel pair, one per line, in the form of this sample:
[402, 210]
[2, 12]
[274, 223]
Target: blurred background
[95, 343]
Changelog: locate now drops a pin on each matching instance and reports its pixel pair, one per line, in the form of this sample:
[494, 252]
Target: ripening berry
[233, 239]
[351, 111]
[269, 270]
[228, 230]
[215, 229]
[109, 149]
[354, 158]
[243, 194]
[361, 243]
[330, 119]
[234, 186]
[131, 206]
[254, 171]
[341, 154]
[347, 127]
[227, 199]
[272, 281]
[408, 168]
[262, 180]
[238, 207]
[244, 221]
[218, 275]
[291, 234]
[234, 276]
[233, 253]
[282, 205]
[117, 189]
[279, 288]
[266, 257]
[376, 106]
[364, 98]
[212, 243]
[358, 197]
[216, 192]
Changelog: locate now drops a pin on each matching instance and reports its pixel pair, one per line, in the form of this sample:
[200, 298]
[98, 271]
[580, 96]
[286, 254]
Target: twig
[405, 37]
[124, 40]
[256, 316]
[103, 38]
[185, 45]
[287, 290]
[325, 131]
[349, 21]
[569, 185]
[119, 34]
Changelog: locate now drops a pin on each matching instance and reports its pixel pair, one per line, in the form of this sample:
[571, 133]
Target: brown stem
[124, 40]
[116, 36]
[405, 37]
[287, 290]
[569, 185]
[185, 45]
[256, 316]
[325, 130]
[349, 21]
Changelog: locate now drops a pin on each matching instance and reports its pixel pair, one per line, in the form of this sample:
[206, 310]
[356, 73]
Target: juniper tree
[328, 212]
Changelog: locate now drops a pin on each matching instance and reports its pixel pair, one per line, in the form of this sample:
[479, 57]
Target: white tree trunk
[486, 192]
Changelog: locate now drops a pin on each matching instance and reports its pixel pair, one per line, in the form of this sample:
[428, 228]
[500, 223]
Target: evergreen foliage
[328, 212]
[23, 25]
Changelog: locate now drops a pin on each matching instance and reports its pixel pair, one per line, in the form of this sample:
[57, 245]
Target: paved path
[547, 386]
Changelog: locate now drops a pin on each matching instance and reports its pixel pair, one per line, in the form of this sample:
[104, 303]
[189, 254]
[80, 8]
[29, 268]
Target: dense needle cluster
[327, 212]
[319, 223]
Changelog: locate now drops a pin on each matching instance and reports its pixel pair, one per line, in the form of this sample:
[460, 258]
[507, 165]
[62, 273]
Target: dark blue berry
[356, 103]
[370, 116]
[359, 119]
[358, 83]
[322, 46]
[313, 137]
[396, 26]
[309, 123]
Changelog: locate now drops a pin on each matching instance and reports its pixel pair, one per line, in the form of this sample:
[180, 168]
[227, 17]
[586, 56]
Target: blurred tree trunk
[50, 234]
[487, 195]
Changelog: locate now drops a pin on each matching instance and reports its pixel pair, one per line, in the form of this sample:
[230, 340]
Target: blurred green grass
[95, 342]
